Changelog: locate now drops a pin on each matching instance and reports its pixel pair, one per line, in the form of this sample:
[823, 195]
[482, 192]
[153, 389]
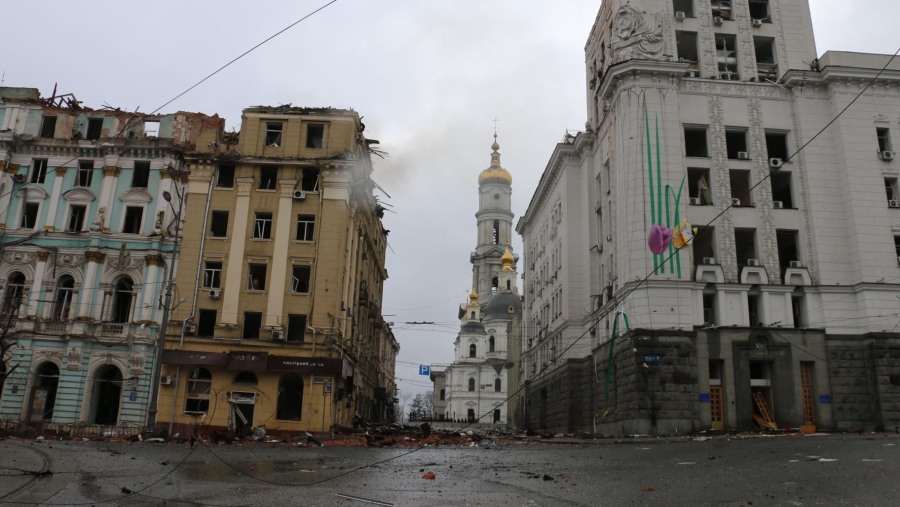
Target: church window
[497, 385]
[508, 285]
[443, 394]
[472, 350]
[471, 384]
[495, 233]
[491, 344]
[495, 282]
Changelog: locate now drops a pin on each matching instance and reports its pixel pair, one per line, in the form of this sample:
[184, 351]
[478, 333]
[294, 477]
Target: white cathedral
[487, 348]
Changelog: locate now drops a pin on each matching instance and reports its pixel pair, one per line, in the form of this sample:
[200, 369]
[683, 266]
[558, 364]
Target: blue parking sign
[424, 369]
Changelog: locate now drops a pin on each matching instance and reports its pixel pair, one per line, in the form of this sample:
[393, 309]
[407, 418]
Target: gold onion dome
[507, 259]
[473, 298]
[495, 173]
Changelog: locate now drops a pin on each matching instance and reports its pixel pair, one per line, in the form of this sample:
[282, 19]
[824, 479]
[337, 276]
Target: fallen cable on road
[366, 500]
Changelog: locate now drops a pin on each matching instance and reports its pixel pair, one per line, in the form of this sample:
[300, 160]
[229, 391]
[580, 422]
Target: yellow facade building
[276, 320]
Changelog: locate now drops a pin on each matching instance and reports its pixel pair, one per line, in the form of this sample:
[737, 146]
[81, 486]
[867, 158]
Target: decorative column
[89, 287]
[55, 197]
[283, 221]
[154, 262]
[107, 197]
[37, 286]
[233, 279]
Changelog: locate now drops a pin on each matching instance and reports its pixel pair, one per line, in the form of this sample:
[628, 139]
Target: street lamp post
[167, 299]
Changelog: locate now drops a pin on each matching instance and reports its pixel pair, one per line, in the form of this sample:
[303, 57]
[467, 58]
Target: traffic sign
[424, 369]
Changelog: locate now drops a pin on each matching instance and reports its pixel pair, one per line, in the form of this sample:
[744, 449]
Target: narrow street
[738, 470]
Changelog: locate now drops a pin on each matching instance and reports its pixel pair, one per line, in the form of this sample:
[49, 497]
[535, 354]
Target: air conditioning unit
[893, 204]
[757, 23]
[743, 155]
[277, 335]
[215, 293]
[753, 262]
[777, 204]
[166, 380]
[718, 20]
[735, 201]
[795, 264]
[695, 201]
[886, 155]
[18, 178]
[775, 163]
[190, 329]
[679, 16]
[299, 195]
[709, 260]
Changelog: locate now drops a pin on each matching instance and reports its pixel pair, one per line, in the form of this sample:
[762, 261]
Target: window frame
[212, 275]
[295, 320]
[273, 135]
[36, 207]
[268, 177]
[297, 283]
[253, 269]
[80, 216]
[128, 226]
[198, 391]
[214, 219]
[228, 180]
[39, 168]
[262, 225]
[308, 225]
[311, 135]
[140, 174]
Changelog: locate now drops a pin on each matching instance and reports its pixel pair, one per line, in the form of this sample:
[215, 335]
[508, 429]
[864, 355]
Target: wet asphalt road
[828, 470]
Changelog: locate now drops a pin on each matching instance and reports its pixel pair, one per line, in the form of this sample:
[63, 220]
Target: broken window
[686, 45]
[206, 323]
[306, 225]
[745, 247]
[695, 142]
[198, 389]
[759, 9]
[776, 145]
[262, 228]
[95, 128]
[300, 279]
[268, 174]
[290, 398]
[884, 139]
[766, 67]
[141, 176]
[225, 176]
[218, 224]
[726, 57]
[76, 218]
[782, 195]
[38, 170]
[30, 215]
[151, 128]
[684, 6]
[315, 133]
[310, 179]
[273, 133]
[133, 217]
[704, 246]
[698, 186]
[252, 324]
[212, 275]
[740, 187]
[721, 9]
[65, 292]
[85, 173]
[296, 330]
[788, 248]
[890, 187]
[256, 277]
[710, 315]
[48, 126]
[736, 144]
[754, 307]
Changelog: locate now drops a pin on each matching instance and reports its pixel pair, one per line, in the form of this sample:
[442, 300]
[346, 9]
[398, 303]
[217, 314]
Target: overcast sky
[428, 76]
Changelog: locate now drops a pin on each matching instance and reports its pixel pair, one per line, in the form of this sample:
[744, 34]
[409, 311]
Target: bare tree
[9, 309]
[401, 414]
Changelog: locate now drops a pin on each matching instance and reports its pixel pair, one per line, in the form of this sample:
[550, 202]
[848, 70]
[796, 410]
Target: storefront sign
[191, 357]
[652, 359]
[705, 398]
[248, 361]
[825, 399]
[317, 365]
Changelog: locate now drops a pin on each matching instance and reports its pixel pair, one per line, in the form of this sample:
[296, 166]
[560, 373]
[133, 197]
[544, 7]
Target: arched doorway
[290, 397]
[106, 395]
[43, 394]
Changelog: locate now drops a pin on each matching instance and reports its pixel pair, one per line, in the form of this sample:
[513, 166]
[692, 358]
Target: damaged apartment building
[283, 268]
[86, 237]
[708, 118]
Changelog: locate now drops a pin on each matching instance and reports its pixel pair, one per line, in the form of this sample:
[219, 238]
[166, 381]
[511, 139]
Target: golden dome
[473, 298]
[507, 259]
[495, 173]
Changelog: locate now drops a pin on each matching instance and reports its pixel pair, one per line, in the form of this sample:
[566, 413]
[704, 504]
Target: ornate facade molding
[98, 257]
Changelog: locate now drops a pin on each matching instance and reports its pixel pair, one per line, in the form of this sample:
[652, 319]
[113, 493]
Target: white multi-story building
[782, 310]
